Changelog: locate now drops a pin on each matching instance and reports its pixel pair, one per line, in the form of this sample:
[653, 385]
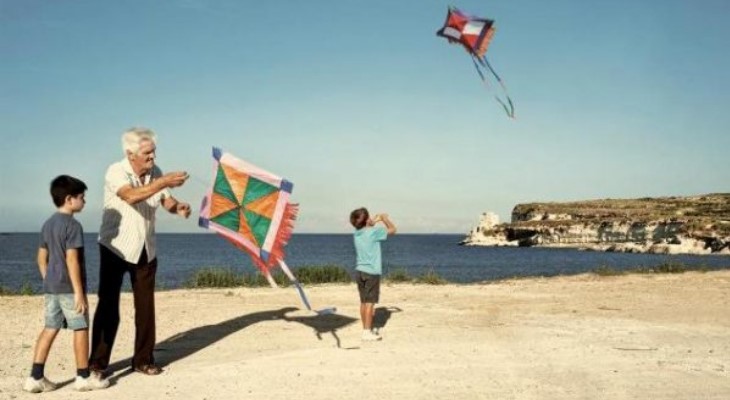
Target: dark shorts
[368, 286]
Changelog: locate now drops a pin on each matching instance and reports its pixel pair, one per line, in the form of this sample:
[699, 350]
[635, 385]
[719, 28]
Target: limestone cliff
[667, 225]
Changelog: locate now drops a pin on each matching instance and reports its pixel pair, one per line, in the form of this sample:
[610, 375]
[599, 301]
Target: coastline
[567, 337]
[687, 247]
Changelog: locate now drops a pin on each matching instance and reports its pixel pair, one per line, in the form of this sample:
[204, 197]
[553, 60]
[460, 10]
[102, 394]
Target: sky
[361, 104]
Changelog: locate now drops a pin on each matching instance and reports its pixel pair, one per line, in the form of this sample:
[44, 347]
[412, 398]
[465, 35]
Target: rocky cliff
[666, 225]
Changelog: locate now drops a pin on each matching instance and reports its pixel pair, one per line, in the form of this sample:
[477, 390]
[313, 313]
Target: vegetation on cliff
[697, 214]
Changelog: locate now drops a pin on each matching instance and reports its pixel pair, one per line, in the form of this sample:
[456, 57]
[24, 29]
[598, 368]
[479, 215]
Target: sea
[180, 255]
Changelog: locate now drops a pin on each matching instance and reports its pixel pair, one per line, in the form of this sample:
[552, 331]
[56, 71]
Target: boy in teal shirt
[369, 265]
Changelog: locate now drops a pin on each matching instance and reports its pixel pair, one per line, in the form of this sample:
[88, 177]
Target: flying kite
[250, 207]
[474, 34]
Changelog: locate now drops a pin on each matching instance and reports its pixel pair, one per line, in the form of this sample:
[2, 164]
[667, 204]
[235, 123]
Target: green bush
[670, 268]
[256, 280]
[26, 289]
[606, 271]
[431, 278]
[398, 275]
[214, 278]
[226, 278]
[322, 274]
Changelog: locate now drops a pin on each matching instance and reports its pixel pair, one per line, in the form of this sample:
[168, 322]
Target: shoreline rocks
[657, 226]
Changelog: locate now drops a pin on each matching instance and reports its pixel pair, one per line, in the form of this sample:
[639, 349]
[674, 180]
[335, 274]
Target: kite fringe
[284, 234]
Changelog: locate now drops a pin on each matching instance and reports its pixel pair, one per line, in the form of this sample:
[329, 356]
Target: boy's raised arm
[74, 273]
[389, 225]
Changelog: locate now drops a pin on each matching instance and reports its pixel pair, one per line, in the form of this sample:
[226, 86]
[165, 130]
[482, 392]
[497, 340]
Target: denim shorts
[61, 313]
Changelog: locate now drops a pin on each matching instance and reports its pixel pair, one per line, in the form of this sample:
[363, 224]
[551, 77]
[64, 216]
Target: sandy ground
[578, 337]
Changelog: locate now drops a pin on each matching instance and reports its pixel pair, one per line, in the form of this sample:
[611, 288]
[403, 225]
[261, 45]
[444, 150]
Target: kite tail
[511, 109]
[508, 107]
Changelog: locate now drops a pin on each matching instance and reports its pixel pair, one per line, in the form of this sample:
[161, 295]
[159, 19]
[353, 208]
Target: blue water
[180, 255]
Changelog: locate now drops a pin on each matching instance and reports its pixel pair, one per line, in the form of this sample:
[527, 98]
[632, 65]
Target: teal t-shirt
[367, 249]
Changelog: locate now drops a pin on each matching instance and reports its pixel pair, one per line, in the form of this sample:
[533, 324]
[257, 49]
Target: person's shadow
[382, 315]
[184, 344]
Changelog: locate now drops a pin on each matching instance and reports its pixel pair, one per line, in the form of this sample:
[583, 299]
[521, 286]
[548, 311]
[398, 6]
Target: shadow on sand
[382, 315]
[184, 344]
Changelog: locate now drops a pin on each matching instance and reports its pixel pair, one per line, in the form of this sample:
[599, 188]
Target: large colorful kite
[474, 34]
[250, 207]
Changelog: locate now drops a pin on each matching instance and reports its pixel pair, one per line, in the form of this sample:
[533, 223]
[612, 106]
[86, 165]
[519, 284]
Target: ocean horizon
[181, 255]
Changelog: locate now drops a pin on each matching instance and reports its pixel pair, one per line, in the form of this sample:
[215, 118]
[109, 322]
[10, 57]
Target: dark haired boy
[367, 238]
[61, 263]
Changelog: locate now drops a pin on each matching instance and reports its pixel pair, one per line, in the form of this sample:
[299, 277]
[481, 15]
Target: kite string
[198, 180]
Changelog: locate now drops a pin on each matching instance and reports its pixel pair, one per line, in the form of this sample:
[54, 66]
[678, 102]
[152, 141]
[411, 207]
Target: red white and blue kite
[474, 34]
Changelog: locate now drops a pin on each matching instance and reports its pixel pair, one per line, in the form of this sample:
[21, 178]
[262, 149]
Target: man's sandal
[149, 369]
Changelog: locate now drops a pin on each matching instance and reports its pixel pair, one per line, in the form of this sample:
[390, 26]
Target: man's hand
[175, 179]
[80, 303]
[183, 209]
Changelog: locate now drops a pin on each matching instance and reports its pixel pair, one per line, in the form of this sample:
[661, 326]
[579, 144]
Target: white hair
[132, 138]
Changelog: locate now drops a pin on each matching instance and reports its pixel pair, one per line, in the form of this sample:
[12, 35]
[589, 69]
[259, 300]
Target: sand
[576, 337]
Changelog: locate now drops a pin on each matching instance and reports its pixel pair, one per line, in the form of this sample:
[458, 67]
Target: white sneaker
[368, 336]
[40, 385]
[93, 382]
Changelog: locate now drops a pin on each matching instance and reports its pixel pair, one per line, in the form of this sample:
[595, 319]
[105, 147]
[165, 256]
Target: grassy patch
[670, 268]
[431, 278]
[322, 274]
[214, 277]
[607, 271]
[710, 212]
[259, 280]
[25, 290]
[398, 275]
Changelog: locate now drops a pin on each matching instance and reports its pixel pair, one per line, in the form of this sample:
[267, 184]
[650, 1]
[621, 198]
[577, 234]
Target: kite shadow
[185, 344]
[324, 323]
[382, 315]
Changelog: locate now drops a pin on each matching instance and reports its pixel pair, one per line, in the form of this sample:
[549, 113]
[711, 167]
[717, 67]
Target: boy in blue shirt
[61, 263]
[367, 238]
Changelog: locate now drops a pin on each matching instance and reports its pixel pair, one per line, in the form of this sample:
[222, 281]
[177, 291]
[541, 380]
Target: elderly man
[133, 190]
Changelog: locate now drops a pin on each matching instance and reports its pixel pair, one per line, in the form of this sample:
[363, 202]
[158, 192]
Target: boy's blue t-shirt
[367, 249]
[61, 232]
